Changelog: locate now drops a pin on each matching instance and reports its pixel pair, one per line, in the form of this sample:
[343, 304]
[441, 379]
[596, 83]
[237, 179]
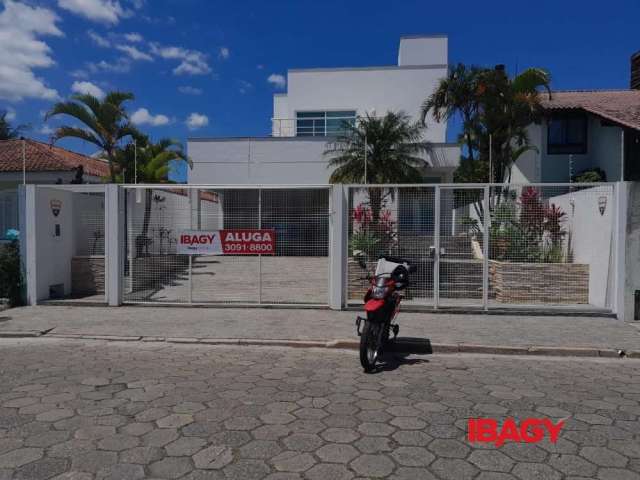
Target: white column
[28, 223]
[620, 236]
[338, 206]
[114, 243]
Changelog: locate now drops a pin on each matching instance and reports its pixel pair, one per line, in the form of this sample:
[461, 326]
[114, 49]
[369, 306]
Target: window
[322, 124]
[567, 134]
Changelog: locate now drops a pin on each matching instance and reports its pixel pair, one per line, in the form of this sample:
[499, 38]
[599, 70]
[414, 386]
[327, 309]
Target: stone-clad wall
[539, 283]
[87, 275]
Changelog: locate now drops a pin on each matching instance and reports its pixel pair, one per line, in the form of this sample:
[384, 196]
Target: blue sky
[210, 61]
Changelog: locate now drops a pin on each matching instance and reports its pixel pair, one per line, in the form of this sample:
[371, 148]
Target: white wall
[282, 161]
[423, 50]
[592, 238]
[365, 90]
[53, 254]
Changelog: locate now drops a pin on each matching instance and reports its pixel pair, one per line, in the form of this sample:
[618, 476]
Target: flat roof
[384, 67]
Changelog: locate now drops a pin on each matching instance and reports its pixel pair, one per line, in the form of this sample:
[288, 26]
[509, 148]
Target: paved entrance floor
[87, 410]
[301, 324]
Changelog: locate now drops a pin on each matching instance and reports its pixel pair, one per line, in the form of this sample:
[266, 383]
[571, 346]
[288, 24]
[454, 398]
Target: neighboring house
[43, 164]
[317, 103]
[582, 130]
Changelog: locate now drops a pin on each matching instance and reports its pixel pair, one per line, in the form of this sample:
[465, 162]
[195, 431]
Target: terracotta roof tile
[42, 157]
[619, 106]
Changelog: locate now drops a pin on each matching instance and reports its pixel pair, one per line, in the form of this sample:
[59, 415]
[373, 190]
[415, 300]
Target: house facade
[33, 162]
[314, 109]
[585, 130]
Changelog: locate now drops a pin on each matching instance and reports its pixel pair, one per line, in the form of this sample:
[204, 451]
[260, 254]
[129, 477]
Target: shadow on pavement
[398, 351]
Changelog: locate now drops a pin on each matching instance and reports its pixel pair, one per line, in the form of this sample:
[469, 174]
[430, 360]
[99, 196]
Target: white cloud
[11, 114]
[188, 90]
[245, 87]
[106, 11]
[192, 62]
[260, 66]
[133, 37]
[21, 50]
[99, 39]
[223, 53]
[196, 121]
[87, 87]
[79, 74]
[277, 80]
[121, 65]
[46, 130]
[143, 117]
[134, 53]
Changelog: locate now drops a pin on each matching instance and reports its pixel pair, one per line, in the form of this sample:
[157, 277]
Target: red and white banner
[227, 242]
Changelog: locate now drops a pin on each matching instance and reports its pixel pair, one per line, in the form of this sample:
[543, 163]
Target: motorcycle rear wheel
[369, 347]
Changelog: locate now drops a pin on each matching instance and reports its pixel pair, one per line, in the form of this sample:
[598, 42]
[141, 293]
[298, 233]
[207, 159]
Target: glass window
[567, 134]
[322, 124]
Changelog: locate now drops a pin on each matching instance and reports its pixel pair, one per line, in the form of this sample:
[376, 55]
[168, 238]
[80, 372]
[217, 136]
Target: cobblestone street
[79, 410]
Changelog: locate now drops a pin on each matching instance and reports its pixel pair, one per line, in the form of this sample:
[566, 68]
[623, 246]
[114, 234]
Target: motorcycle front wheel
[369, 345]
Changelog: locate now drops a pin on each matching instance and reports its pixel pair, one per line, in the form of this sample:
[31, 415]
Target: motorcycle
[381, 305]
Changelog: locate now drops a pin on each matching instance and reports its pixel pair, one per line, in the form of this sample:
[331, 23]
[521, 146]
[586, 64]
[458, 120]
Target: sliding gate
[217, 245]
[489, 245]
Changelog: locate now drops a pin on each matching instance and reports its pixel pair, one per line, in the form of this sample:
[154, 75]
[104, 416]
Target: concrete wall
[603, 151]
[423, 50]
[282, 161]
[592, 238]
[53, 253]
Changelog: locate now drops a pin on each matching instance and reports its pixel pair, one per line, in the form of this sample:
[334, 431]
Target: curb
[347, 344]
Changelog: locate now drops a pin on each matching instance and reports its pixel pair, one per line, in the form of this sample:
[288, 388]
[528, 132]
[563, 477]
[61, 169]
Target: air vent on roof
[635, 71]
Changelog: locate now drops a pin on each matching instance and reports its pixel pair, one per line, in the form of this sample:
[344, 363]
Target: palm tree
[394, 154]
[105, 122]
[456, 94]
[152, 163]
[7, 132]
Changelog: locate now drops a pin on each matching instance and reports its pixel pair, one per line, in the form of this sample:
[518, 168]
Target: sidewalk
[593, 336]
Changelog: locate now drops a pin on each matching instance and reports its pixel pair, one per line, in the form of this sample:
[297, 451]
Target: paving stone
[536, 471]
[159, 437]
[376, 429]
[175, 420]
[74, 476]
[54, 415]
[491, 460]
[413, 456]
[213, 457]
[340, 435]
[122, 471]
[242, 423]
[41, 469]
[372, 465]
[324, 471]
[270, 432]
[572, 465]
[142, 455]
[137, 429]
[290, 461]
[117, 443]
[373, 444]
[453, 469]
[412, 438]
[448, 448]
[603, 457]
[337, 453]
[19, 457]
[171, 467]
[93, 461]
[246, 470]
[617, 474]
[303, 442]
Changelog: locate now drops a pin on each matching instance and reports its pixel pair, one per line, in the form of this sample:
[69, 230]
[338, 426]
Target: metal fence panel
[489, 246]
[296, 273]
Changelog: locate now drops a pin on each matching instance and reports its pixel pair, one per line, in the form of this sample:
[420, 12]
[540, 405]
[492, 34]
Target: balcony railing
[310, 126]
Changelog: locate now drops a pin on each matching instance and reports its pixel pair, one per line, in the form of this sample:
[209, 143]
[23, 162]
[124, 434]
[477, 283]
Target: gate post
[338, 205]
[623, 309]
[114, 243]
[28, 223]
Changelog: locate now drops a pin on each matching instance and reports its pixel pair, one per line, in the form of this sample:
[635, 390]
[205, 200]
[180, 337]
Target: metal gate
[488, 245]
[295, 272]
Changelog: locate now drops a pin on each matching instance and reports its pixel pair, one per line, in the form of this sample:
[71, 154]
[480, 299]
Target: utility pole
[24, 161]
[135, 161]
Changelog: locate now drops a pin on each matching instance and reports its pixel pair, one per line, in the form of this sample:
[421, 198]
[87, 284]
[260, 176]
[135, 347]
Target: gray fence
[488, 245]
[295, 271]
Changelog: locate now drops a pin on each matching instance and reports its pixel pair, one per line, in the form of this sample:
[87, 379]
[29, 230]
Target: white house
[313, 109]
[584, 130]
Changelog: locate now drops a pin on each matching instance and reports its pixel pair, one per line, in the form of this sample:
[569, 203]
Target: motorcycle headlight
[379, 292]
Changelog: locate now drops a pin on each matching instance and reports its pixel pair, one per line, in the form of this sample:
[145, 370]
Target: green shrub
[11, 273]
